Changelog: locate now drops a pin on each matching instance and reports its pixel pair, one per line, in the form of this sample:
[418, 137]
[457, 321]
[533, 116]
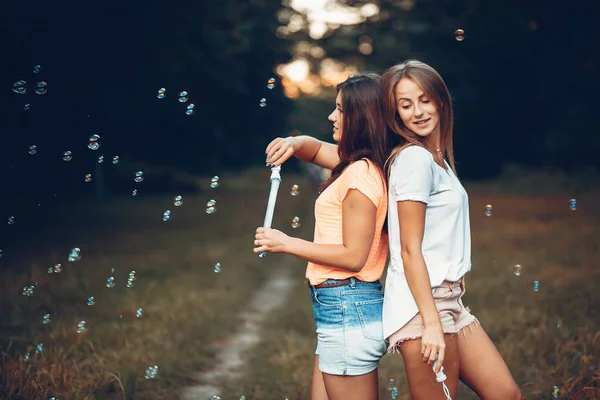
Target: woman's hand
[279, 150]
[270, 240]
[432, 344]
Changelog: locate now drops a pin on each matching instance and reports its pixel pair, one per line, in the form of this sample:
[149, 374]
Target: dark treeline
[524, 82]
[104, 63]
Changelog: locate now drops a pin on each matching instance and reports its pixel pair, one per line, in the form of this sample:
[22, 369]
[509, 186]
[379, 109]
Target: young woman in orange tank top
[348, 254]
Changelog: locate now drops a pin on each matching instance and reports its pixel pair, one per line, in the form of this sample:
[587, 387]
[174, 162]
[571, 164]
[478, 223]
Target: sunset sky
[322, 15]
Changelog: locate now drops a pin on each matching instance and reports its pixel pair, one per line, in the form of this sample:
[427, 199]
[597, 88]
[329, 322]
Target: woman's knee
[508, 391]
[515, 393]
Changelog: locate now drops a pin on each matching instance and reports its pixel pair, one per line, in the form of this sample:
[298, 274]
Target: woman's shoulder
[364, 164]
[414, 150]
[413, 154]
[364, 167]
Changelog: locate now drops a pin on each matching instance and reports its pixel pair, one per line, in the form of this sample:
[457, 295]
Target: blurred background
[523, 76]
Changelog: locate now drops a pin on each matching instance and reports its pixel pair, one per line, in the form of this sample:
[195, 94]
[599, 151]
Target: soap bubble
[32, 149]
[217, 268]
[110, 282]
[555, 392]
[488, 210]
[26, 356]
[36, 69]
[295, 190]
[134, 192]
[41, 87]
[296, 222]
[177, 201]
[100, 159]
[94, 142]
[67, 155]
[138, 177]
[263, 102]
[139, 313]
[75, 254]
[81, 327]
[19, 87]
[167, 215]
[46, 319]
[215, 397]
[39, 347]
[459, 34]
[131, 279]
[536, 286]
[10, 220]
[151, 372]
[162, 92]
[91, 301]
[394, 392]
[573, 204]
[214, 182]
[210, 207]
[517, 270]
[28, 291]
[391, 383]
[190, 109]
[57, 268]
[271, 83]
[26, 107]
[115, 160]
[183, 96]
[88, 178]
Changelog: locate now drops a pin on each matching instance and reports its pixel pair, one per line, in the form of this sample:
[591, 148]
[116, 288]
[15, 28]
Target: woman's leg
[420, 375]
[317, 390]
[360, 387]
[482, 367]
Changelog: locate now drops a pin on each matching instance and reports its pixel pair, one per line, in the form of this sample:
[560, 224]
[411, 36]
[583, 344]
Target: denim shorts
[349, 327]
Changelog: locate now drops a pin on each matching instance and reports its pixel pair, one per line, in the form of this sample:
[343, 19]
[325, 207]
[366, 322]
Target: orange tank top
[364, 176]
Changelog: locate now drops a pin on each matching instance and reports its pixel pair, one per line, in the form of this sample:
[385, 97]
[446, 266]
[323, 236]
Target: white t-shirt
[446, 245]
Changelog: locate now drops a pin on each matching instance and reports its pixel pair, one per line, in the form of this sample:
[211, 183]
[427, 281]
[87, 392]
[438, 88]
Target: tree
[523, 80]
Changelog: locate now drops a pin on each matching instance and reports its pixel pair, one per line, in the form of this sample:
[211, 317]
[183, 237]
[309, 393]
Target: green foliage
[222, 53]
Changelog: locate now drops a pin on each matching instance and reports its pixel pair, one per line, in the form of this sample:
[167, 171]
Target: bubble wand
[275, 181]
[441, 377]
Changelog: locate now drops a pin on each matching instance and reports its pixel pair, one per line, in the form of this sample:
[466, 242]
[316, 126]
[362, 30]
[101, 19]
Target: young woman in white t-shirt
[430, 247]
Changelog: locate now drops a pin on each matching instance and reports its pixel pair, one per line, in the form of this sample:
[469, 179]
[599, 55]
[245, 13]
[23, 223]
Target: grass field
[549, 337]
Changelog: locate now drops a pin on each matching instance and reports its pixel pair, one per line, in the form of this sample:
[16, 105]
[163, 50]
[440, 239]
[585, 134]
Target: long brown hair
[365, 134]
[435, 88]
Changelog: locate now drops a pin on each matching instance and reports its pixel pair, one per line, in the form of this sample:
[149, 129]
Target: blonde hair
[435, 88]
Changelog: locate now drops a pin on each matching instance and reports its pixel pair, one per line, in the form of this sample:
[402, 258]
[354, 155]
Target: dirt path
[229, 358]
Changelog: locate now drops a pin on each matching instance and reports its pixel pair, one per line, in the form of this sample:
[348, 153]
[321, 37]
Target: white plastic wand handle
[275, 181]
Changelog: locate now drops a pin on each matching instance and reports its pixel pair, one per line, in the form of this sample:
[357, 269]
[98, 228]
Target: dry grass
[186, 306]
[548, 337]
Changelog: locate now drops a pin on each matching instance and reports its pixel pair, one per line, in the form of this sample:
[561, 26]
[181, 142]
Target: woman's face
[337, 117]
[416, 110]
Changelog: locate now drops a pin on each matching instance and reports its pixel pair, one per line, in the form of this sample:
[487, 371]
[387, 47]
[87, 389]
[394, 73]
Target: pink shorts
[453, 314]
